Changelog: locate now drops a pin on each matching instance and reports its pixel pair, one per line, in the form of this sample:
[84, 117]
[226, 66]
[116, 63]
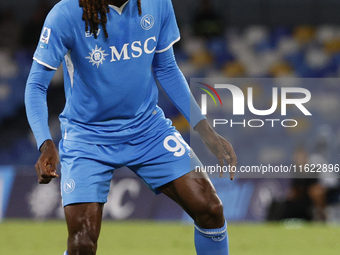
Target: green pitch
[157, 238]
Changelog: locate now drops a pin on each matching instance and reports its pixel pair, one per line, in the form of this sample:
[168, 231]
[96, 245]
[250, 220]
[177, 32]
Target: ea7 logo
[89, 34]
[239, 100]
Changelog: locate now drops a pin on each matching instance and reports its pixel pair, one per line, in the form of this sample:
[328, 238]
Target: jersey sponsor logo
[147, 22]
[97, 56]
[137, 48]
[128, 51]
[89, 34]
[69, 186]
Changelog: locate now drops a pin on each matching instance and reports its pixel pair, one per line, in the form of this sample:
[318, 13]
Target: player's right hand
[46, 166]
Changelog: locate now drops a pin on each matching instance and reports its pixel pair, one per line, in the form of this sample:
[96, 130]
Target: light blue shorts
[158, 158]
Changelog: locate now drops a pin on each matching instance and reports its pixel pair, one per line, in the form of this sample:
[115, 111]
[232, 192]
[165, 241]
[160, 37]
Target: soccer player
[111, 118]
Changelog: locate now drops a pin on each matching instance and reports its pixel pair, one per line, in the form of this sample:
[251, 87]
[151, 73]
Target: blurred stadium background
[220, 39]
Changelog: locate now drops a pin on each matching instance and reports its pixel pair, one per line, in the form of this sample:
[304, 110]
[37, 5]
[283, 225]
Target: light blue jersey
[110, 89]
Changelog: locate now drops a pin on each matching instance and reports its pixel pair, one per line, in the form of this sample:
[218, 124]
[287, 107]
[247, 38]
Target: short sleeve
[55, 39]
[169, 33]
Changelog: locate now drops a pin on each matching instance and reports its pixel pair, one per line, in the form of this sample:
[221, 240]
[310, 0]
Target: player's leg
[85, 184]
[198, 198]
[167, 170]
[83, 224]
[163, 160]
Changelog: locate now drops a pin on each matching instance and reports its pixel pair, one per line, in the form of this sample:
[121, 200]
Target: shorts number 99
[177, 146]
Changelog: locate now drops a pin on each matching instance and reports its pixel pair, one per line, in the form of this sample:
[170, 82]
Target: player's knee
[211, 205]
[211, 215]
[215, 209]
[81, 243]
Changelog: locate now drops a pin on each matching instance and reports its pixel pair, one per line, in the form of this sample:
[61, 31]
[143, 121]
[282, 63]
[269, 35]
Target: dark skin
[46, 166]
[196, 196]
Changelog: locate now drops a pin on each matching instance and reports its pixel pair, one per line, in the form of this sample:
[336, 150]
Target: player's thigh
[197, 196]
[84, 220]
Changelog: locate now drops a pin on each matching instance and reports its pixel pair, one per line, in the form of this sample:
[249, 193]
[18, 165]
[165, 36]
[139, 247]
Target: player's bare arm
[218, 145]
[46, 165]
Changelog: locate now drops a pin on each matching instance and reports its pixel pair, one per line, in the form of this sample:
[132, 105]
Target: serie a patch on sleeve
[45, 38]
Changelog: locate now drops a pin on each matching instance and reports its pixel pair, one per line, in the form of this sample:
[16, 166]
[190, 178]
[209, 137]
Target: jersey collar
[119, 9]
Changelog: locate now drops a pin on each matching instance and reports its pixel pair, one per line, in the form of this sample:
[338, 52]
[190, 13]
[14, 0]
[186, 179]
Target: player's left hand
[218, 145]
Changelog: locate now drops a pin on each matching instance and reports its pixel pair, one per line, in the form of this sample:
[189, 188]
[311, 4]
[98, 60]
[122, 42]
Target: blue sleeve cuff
[195, 112]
